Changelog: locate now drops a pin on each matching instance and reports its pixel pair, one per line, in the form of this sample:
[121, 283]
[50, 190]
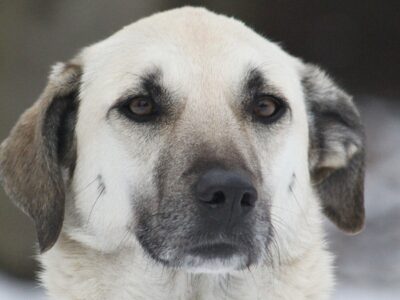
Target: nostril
[231, 192]
[248, 200]
[217, 198]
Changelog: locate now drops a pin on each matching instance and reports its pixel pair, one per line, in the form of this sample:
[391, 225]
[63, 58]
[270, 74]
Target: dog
[187, 157]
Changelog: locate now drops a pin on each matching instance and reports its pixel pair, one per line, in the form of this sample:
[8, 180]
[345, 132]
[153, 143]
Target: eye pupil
[266, 108]
[141, 106]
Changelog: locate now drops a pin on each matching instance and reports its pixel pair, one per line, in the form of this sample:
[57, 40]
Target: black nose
[227, 196]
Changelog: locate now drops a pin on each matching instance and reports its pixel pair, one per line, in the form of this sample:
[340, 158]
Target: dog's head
[193, 136]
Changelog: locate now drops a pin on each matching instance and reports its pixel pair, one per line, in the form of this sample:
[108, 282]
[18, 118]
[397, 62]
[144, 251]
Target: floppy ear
[336, 151]
[39, 149]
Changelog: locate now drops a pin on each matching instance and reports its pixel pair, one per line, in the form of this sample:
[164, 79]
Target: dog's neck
[73, 272]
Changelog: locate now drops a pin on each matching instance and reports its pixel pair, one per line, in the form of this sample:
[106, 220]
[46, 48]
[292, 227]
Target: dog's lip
[214, 250]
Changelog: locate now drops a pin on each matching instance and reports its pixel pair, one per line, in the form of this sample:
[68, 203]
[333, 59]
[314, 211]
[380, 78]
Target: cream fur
[203, 56]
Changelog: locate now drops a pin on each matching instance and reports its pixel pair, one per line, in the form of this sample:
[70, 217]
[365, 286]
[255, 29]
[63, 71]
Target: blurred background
[357, 42]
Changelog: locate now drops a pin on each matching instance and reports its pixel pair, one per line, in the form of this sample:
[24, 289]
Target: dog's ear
[336, 151]
[38, 152]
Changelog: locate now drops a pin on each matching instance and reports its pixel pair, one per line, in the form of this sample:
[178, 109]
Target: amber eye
[268, 108]
[141, 109]
[141, 106]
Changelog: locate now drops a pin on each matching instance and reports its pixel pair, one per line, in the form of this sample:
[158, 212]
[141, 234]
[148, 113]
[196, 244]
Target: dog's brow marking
[151, 84]
[254, 82]
[148, 83]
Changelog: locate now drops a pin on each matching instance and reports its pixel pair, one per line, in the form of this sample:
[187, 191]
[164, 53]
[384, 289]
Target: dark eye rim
[282, 108]
[124, 109]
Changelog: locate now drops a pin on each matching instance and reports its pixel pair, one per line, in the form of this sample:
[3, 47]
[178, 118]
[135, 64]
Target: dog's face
[189, 134]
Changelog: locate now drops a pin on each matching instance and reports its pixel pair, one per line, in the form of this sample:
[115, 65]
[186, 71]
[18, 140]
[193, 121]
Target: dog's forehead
[195, 50]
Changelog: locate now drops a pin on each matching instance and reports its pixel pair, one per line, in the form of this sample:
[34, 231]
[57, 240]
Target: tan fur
[85, 175]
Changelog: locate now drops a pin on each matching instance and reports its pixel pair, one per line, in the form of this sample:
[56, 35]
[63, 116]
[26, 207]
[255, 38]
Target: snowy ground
[11, 289]
[368, 265]
[351, 293]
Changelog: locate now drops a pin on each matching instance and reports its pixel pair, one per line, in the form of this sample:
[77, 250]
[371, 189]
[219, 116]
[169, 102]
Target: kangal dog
[187, 157]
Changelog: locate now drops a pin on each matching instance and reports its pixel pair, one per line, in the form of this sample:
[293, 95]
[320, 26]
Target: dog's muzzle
[212, 216]
[225, 200]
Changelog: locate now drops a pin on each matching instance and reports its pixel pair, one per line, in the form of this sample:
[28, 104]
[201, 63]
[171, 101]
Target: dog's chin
[208, 258]
[214, 258]
[198, 264]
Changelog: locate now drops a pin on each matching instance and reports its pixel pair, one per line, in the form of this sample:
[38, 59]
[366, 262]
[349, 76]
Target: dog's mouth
[207, 256]
[215, 257]
[214, 251]
[191, 244]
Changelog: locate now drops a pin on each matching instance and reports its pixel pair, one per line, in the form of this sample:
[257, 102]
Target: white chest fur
[73, 272]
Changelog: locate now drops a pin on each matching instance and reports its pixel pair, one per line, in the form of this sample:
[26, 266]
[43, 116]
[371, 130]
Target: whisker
[124, 238]
[254, 280]
[101, 191]
[86, 186]
[302, 212]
